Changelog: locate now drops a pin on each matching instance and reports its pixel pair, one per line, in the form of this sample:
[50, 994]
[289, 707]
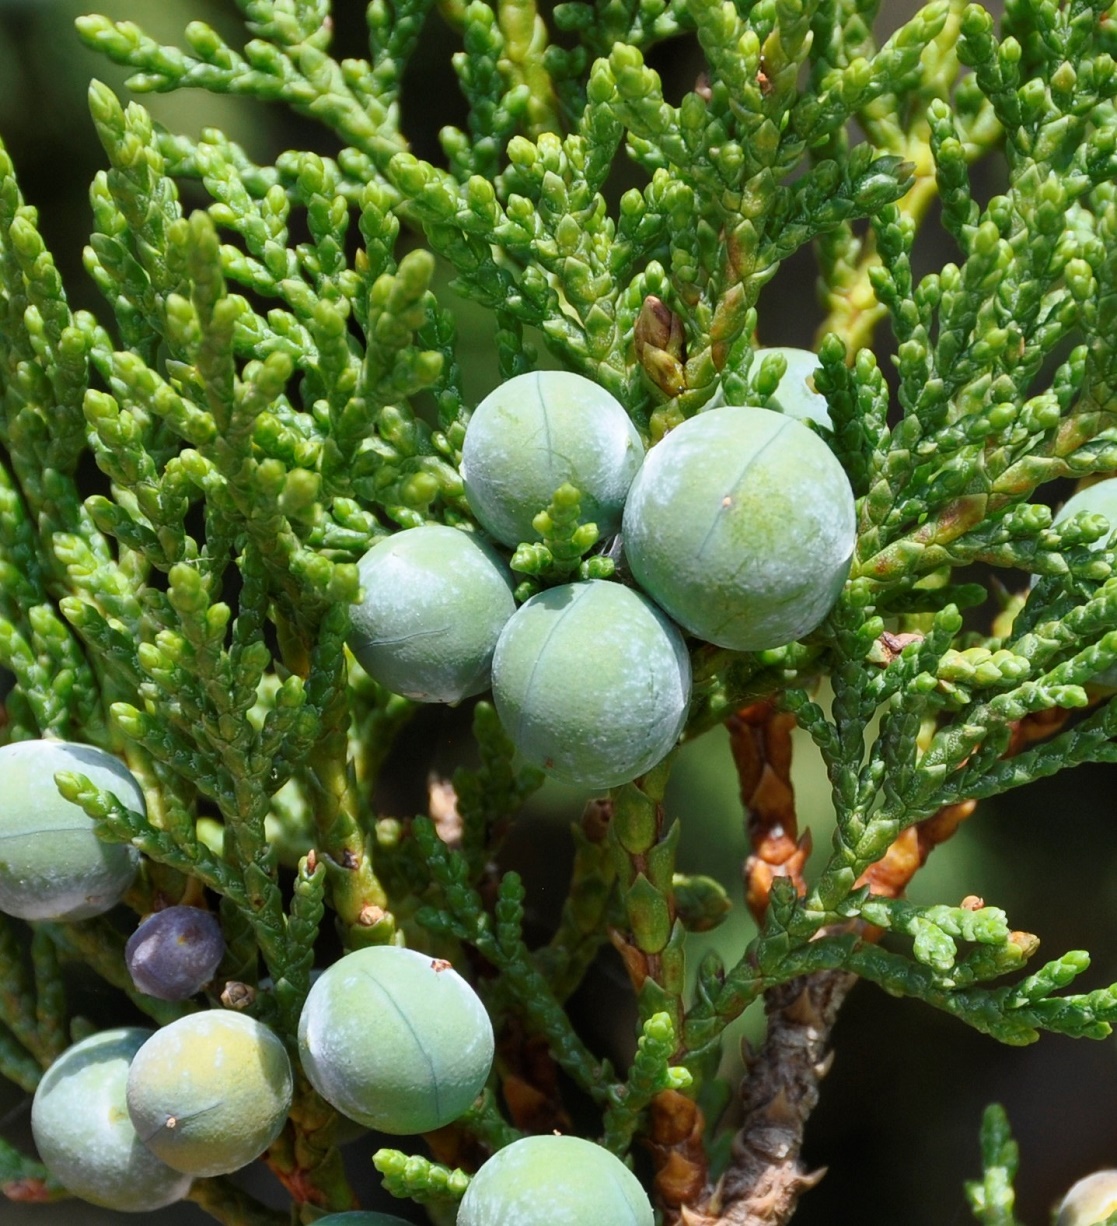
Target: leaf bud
[187, 590]
[300, 491]
[1033, 97]
[701, 902]
[206, 43]
[479, 193]
[1063, 81]
[568, 235]
[658, 327]
[881, 188]
[977, 22]
[408, 173]
[266, 58]
[419, 490]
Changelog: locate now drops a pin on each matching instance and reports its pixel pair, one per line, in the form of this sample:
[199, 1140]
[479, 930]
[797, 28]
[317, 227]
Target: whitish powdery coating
[554, 1181]
[395, 1039]
[210, 1092]
[741, 525]
[536, 432]
[796, 395]
[434, 601]
[52, 864]
[592, 682]
[83, 1134]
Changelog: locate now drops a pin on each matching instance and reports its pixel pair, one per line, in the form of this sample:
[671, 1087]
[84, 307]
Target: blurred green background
[898, 1120]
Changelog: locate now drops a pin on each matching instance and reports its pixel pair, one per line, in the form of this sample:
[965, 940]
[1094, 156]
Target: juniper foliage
[255, 402]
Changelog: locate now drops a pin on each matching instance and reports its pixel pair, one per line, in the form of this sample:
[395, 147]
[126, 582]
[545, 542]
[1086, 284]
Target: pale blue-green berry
[52, 864]
[1090, 1201]
[796, 394]
[592, 683]
[347, 1129]
[433, 603]
[1101, 499]
[741, 525]
[554, 1181]
[84, 1136]
[395, 1039]
[539, 431]
[209, 1092]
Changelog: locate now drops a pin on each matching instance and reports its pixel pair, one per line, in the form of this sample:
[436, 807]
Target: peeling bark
[766, 1176]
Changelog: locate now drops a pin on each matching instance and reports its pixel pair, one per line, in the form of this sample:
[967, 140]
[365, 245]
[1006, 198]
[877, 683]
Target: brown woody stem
[760, 739]
[766, 1177]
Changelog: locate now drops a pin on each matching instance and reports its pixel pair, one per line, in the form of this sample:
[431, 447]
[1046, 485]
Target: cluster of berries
[393, 1039]
[736, 529]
